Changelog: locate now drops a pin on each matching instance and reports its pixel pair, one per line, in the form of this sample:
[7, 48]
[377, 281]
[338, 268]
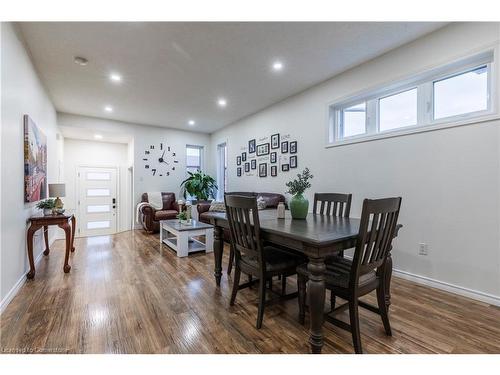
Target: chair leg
[283, 285]
[236, 283]
[231, 259]
[332, 300]
[301, 286]
[354, 317]
[383, 310]
[270, 283]
[262, 300]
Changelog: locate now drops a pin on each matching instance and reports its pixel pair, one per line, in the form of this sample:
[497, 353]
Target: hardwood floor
[123, 296]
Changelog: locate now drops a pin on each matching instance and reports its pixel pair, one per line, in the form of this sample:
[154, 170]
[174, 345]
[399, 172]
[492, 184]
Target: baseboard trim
[18, 285]
[447, 287]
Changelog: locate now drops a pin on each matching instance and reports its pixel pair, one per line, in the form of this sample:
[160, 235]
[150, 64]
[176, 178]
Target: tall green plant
[199, 185]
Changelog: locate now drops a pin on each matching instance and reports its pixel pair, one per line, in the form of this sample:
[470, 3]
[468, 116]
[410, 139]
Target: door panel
[97, 189]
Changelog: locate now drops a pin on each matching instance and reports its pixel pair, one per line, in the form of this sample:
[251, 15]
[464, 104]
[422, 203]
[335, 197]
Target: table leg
[67, 230]
[316, 296]
[218, 250]
[31, 230]
[73, 229]
[183, 244]
[46, 236]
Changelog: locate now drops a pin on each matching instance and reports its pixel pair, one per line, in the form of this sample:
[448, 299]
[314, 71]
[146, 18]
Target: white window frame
[424, 82]
[201, 148]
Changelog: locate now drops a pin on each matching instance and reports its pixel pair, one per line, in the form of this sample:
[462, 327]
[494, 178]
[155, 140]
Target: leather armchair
[150, 218]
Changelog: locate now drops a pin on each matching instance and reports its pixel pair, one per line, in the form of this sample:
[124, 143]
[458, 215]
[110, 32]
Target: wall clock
[160, 160]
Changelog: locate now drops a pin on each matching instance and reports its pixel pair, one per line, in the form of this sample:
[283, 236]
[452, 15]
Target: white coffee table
[180, 236]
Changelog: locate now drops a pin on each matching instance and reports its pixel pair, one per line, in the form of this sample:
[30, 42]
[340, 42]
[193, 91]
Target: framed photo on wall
[238, 171]
[284, 147]
[244, 156]
[263, 149]
[273, 157]
[238, 160]
[263, 170]
[251, 146]
[274, 170]
[285, 167]
[253, 164]
[293, 160]
[247, 167]
[275, 141]
[293, 147]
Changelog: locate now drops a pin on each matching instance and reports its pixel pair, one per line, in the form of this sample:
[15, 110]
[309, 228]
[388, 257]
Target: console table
[44, 221]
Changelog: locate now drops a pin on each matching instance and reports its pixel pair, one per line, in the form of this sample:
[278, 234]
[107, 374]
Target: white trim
[447, 287]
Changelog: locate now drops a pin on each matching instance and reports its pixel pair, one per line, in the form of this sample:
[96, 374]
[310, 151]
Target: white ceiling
[173, 72]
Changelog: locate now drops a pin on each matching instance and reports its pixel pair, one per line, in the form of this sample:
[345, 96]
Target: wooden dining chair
[350, 280]
[332, 204]
[251, 256]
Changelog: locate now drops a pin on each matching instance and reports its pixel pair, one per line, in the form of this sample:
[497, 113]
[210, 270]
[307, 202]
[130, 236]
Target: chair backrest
[332, 204]
[379, 219]
[244, 226]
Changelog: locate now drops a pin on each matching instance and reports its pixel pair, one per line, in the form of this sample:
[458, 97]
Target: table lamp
[57, 190]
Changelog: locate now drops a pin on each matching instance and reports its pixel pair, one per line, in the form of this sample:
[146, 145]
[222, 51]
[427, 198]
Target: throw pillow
[261, 203]
[217, 207]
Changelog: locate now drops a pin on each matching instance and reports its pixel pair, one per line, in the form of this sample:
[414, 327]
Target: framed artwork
[247, 167]
[273, 157]
[238, 160]
[275, 141]
[293, 160]
[263, 149]
[35, 162]
[285, 167]
[253, 164]
[251, 146]
[293, 147]
[244, 156]
[263, 170]
[284, 147]
[274, 170]
[238, 171]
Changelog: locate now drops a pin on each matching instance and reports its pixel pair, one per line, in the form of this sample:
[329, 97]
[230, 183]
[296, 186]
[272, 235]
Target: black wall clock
[160, 159]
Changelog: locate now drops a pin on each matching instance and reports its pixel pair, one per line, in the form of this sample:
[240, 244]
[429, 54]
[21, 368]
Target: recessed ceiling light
[277, 66]
[97, 136]
[222, 102]
[191, 122]
[115, 77]
[80, 60]
[108, 108]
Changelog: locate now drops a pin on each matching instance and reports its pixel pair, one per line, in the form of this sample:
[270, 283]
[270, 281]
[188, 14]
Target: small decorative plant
[182, 216]
[46, 205]
[199, 185]
[299, 205]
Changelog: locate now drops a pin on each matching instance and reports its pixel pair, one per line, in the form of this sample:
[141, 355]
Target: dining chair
[332, 204]
[350, 280]
[252, 257]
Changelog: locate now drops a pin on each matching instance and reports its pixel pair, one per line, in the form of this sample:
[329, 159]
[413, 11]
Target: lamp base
[58, 204]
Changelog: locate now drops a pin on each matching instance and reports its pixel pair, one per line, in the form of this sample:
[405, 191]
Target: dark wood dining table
[317, 237]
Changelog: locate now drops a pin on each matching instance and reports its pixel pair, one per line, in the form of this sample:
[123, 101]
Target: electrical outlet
[422, 249]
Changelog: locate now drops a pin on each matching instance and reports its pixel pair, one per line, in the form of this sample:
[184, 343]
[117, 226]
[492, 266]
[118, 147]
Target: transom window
[194, 158]
[448, 94]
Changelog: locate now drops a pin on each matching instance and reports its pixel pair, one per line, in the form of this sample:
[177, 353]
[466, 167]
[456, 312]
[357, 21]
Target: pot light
[191, 122]
[222, 102]
[108, 108]
[80, 60]
[115, 77]
[97, 136]
[277, 66]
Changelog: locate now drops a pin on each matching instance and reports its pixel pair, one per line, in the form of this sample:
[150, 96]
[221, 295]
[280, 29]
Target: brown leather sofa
[272, 200]
[150, 218]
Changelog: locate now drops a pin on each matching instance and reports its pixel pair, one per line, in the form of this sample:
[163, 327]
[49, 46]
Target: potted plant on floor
[47, 206]
[299, 205]
[200, 186]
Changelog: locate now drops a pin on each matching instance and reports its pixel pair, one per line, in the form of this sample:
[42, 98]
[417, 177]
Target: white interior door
[97, 200]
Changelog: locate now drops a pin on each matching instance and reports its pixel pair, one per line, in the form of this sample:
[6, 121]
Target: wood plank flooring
[123, 296]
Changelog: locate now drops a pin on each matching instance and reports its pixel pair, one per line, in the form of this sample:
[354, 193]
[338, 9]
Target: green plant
[182, 215]
[298, 186]
[199, 185]
[46, 204]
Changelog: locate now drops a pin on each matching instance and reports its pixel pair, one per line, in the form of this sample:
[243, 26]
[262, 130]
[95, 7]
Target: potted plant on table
[199, 185]
[47, 206]
[299, 205]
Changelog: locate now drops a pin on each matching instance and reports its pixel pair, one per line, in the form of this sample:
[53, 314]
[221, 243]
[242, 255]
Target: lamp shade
[57, 190]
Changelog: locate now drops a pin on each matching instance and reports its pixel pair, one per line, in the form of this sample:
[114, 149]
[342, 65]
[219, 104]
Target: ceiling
[174, 72]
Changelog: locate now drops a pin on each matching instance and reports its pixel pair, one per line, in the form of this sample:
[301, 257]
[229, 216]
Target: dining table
[317, 237]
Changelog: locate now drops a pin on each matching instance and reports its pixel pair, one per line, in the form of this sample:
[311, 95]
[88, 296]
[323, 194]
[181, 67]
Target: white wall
[449, 179]
[22, 93]
[142, 137]
[79, 153]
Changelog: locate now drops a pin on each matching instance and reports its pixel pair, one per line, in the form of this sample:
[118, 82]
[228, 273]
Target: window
[456, 92]
[221, 170]
[194, 158]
